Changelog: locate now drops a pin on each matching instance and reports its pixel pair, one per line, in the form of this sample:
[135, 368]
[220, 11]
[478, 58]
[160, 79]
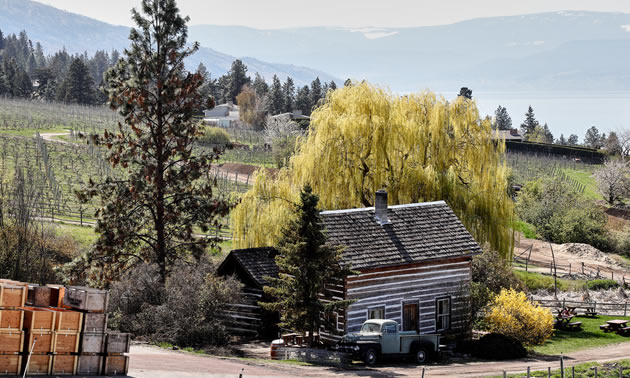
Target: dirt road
[147, 361]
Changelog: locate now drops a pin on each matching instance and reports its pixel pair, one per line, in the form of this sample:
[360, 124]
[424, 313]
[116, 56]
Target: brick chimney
[380, 207]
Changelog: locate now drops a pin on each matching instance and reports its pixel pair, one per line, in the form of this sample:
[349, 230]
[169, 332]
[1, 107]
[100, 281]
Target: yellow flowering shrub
[512, 314]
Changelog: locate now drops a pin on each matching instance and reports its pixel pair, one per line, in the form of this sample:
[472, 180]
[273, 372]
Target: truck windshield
[370, 327]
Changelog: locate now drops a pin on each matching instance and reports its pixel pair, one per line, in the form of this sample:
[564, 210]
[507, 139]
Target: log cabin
[414, 264]
[251, 267]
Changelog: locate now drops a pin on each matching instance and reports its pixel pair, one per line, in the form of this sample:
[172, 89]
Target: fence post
[595, 371]
[564, 305]
[561, 366]
[625, 308]
[582, 267]
[422, 372]
[504, 374]
[569, 269]
[528, 371]
[548, 371]
[572, 371]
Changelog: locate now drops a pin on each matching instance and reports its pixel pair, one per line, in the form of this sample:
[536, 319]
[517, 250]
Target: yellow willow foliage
[512, 314]
[419, 147]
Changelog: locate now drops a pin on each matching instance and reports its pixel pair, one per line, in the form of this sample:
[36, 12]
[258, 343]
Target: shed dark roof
[256, 262]
[416, 232]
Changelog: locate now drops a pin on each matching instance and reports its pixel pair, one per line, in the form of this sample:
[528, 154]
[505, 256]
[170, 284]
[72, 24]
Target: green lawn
[85, 235]
[585, 178]
[535, 281]
[589, 337]
[607, 370]
[528, 230]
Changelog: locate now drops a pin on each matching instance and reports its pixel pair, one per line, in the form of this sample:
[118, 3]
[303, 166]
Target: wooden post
[422, 372]
[595, 367]
[504, 374]
[620, 371]
[569, 269]
[625, 308]
[528, 371]
[561, 366]
[555, 272]
[548, 371]
[582, 267]
[572, 371]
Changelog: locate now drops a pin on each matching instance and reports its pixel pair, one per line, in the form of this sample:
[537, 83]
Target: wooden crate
[56, 295]
[90, 365]
[117, 342]
[116, 365]
[66, 342]
[67, 320]
[38, 364]
[64, 365]
[94, 322]
[92, 343]
[40, 319]
[10, 364]
[86, 299]
[11, 341]
[12, 296]
[44, 344]
[11, 319]
[40, 296]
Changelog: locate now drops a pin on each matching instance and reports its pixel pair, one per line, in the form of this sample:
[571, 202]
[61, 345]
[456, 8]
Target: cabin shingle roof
[257, 262]
[416, 232]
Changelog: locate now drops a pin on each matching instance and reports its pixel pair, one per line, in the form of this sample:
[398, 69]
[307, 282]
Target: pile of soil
[585, 251]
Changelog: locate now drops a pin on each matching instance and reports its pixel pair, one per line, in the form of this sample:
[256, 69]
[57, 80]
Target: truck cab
[380, 338]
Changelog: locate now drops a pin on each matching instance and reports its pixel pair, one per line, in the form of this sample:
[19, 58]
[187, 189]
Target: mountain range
[56, 29]
[560, 51]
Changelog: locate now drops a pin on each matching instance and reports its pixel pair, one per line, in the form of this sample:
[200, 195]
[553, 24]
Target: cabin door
[410, 316]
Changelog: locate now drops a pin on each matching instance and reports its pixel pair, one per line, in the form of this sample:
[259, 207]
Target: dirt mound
[586, 251]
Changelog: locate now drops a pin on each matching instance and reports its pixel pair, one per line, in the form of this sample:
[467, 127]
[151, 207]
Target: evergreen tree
[307, 264]
[592, 139]
[502, 120]
[529, 125]
[1, 40]
[547, 134]
[275, 98]
[260, 85]
[77, 87]
[332, 85]
[303, 100]
[612, 144]
[316, 93]
[562, 140]
[573, 140]
[288, 89]
[236, 79]
[347, 83]
[166, 192]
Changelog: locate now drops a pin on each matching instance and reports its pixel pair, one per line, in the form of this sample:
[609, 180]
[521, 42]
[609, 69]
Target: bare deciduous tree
[613, 180]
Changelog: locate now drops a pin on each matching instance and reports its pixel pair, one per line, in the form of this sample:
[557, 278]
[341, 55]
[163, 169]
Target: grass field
[589, 337]
[536, 281]
[585, 177]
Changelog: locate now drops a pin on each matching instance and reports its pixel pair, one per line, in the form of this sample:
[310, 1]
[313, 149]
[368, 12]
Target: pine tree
[288, 89]
[77, 87]
[260, 85]
[502, 120]
[236, 79]
[592, 139]
[332, 85]
[307, 265]
[547, 133]
[151, 212]
[303, 100]
[1, 40]
[529, 125]
[275, 97]
[573, 140]
[562, 140]
[316, 93]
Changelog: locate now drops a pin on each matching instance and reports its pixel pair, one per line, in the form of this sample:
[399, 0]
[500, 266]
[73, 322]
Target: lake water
[566, 113]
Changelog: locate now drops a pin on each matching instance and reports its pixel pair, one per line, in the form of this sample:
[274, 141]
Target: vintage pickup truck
[381, 338]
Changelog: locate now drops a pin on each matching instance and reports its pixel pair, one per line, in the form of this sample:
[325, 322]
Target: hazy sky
[272, 14]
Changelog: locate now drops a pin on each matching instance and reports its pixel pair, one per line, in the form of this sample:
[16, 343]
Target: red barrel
[275, 348]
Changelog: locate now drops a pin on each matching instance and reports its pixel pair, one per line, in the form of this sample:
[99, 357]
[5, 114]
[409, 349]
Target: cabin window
[442, 313]
[376, 313]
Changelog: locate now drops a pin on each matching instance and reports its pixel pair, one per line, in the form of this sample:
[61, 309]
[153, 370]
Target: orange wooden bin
[11, 319]
[12, 295]
[10, 364]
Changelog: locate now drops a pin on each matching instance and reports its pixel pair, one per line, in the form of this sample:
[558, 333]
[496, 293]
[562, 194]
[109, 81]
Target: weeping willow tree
[419, 147]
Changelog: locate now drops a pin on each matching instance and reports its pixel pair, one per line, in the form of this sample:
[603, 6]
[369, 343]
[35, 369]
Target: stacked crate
[12, 298]
[58, 330]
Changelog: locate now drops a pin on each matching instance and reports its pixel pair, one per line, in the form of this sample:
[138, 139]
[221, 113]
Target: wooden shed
[251, 266]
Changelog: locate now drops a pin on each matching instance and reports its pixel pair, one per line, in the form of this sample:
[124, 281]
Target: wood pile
[58, 330]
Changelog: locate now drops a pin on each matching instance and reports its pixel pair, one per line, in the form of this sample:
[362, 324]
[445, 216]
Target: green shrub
[215, 136]
[528, 230]
[602, 284]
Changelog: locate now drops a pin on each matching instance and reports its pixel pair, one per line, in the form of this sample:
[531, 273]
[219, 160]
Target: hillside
[57, 29]
[551, 51]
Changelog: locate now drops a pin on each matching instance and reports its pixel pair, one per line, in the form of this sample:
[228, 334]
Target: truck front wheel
[370, 357]
[421, 355]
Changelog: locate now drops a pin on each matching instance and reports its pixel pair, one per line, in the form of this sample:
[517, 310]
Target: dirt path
[51, 137]
[147, 361]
